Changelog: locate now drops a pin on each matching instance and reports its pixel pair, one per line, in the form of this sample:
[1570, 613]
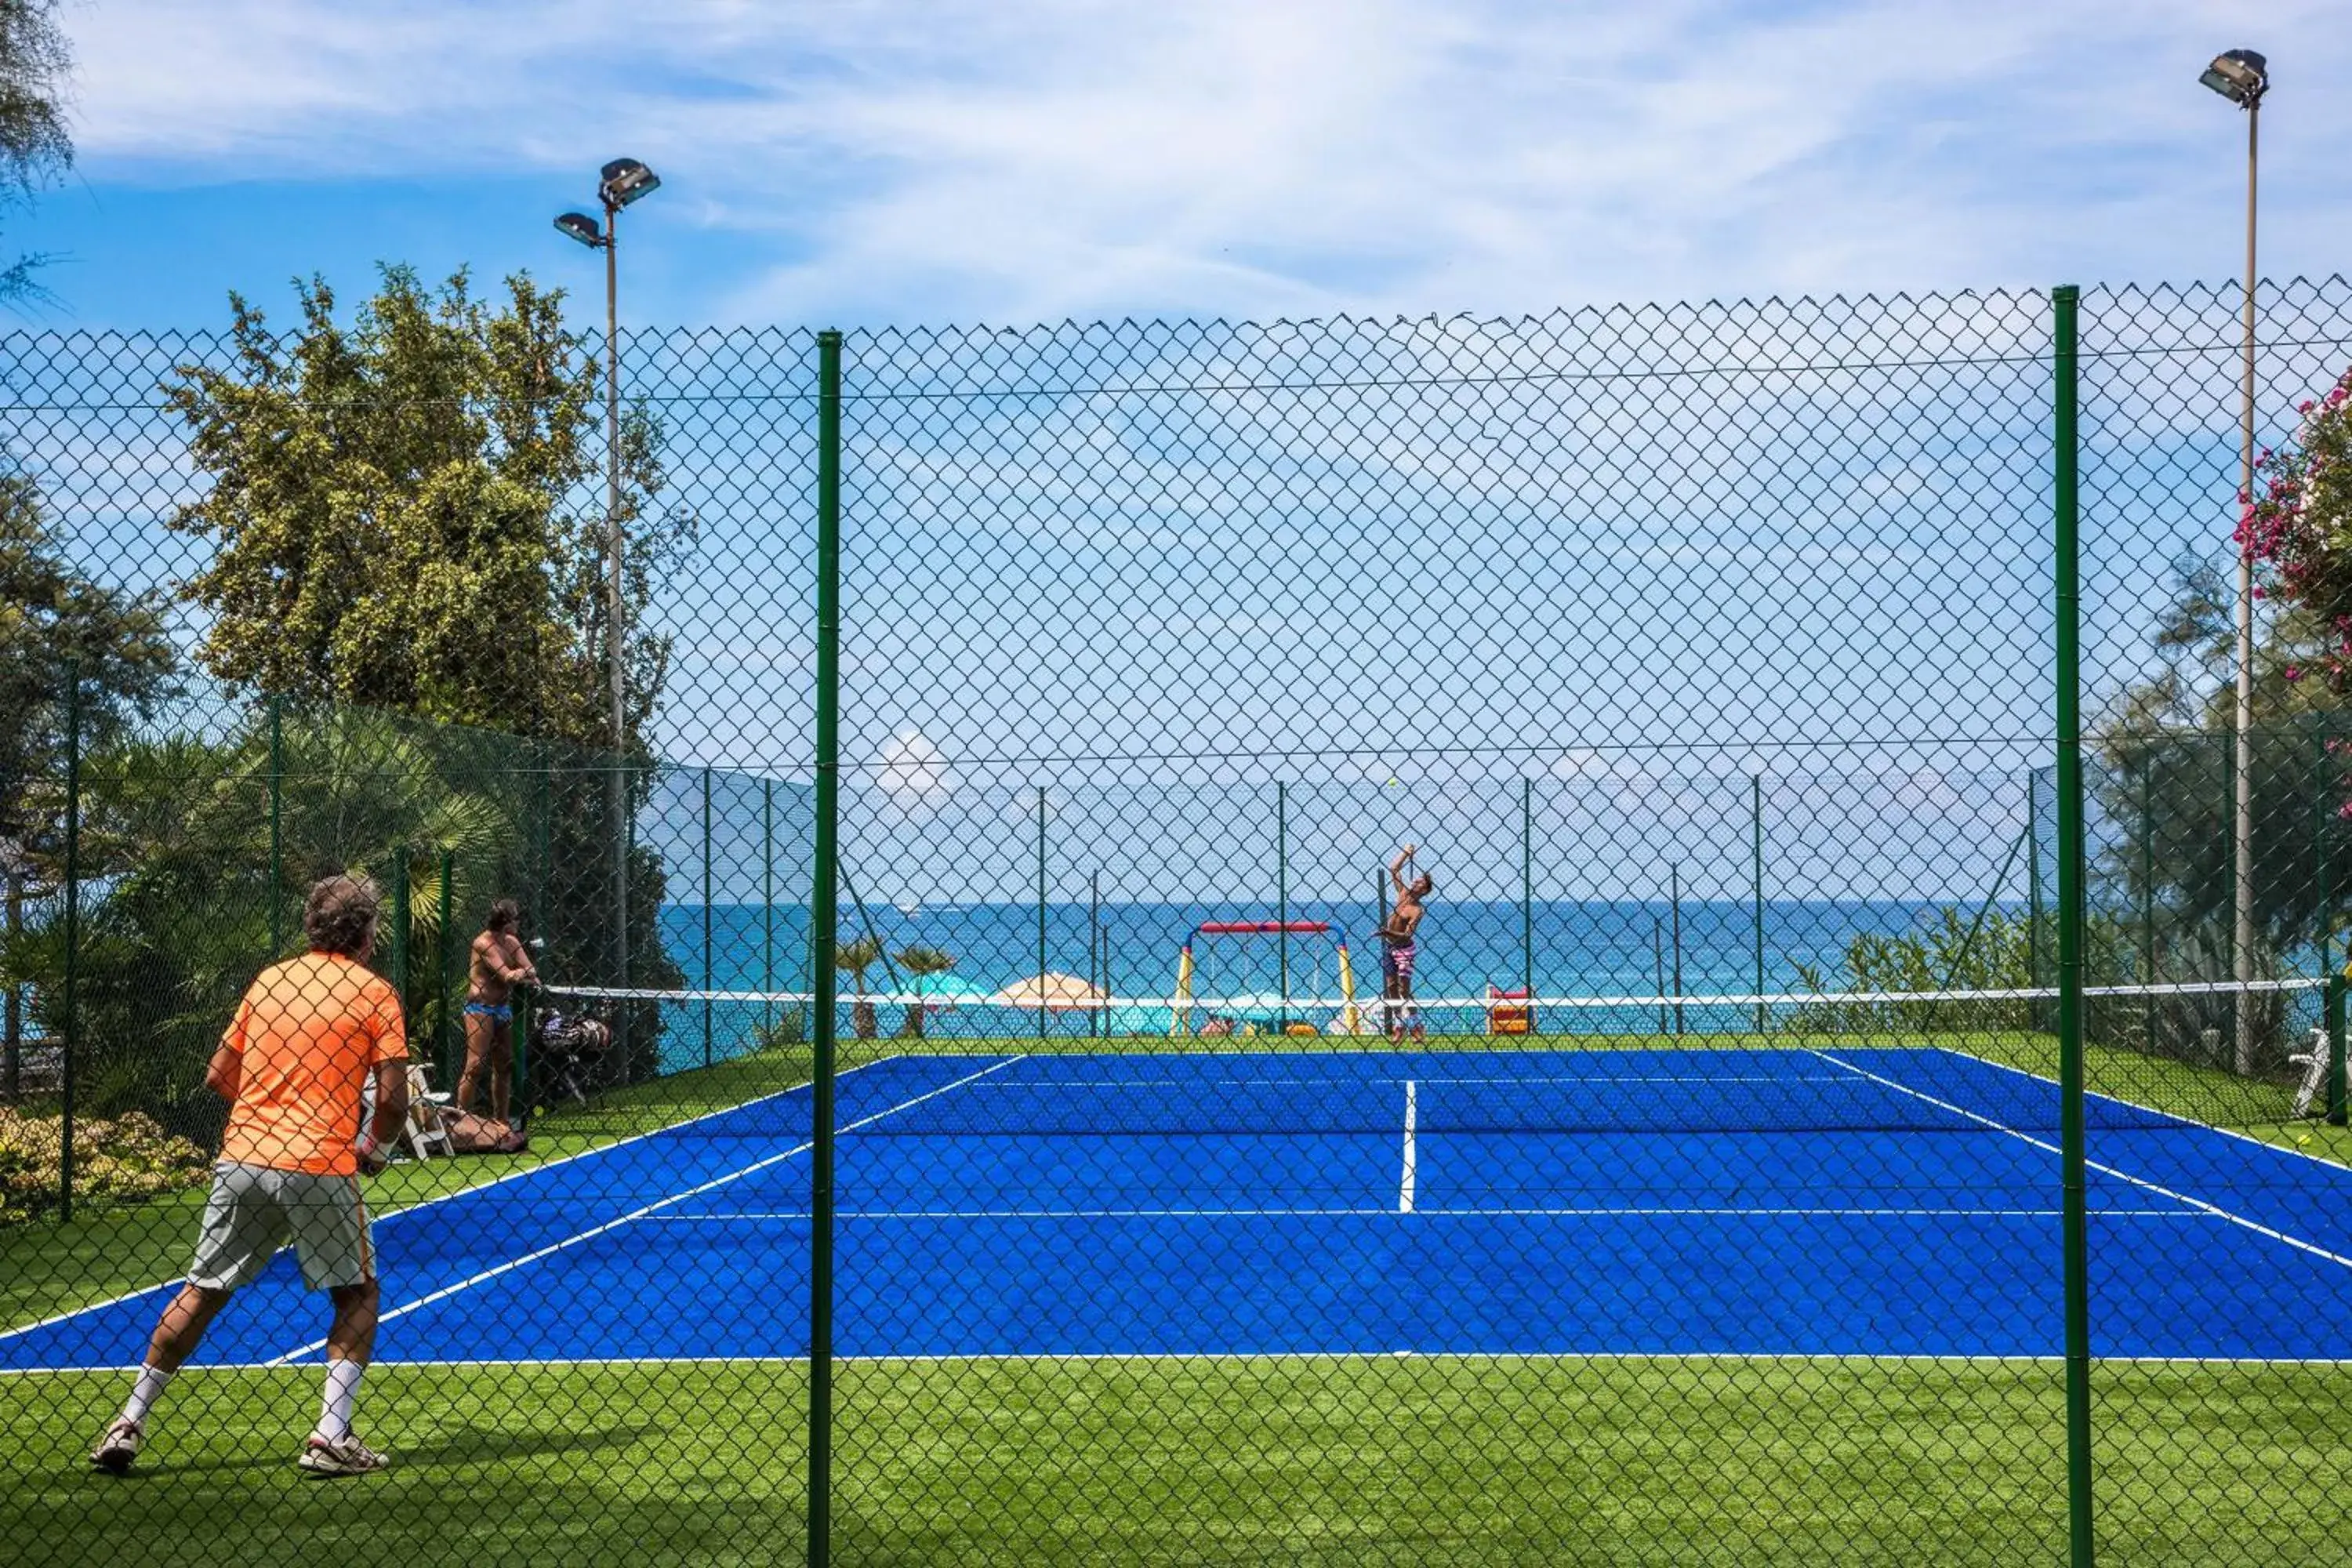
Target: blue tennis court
[1757, 1201]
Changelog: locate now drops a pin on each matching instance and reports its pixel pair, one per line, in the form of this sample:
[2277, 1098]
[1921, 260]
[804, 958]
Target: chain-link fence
[1428, 941]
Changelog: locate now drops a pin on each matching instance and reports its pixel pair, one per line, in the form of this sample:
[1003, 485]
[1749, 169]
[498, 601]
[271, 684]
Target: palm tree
[853, 959]
[920, 961]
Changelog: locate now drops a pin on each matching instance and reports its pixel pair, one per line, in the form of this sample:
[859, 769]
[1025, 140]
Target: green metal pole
[2032, 897]
[768, 906]
[400, 921]
[1282, 893]
[1677, 906]
[1527, 893]
[2075, 1228]
[445, 1016]
[1040, 911]
[1756, 879]
[710, 979]
[2334, 995]
[68, 999]
[821, 937]
[1094, 979]
[2147, 893]
[277, 829]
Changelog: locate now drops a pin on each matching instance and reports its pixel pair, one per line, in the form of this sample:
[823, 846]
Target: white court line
[421, 1203]
[1547, 1358]
[1347, 1079]
[510, 1265]
[2174, 1117]
[1659, 1211]
[1405, 1186]
[2161, 1191]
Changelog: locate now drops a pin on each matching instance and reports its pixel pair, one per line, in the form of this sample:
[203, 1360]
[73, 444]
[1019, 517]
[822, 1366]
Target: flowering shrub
[2298, 527]
[123, 1161]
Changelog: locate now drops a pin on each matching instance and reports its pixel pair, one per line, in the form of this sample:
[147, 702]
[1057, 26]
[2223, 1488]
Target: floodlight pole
[2243, 859]
[616, 614]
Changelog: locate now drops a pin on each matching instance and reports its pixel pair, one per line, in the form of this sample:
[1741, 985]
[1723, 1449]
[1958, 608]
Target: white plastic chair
[426, 1127]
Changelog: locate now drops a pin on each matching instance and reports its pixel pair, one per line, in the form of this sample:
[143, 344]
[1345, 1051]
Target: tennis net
[1931, 1061]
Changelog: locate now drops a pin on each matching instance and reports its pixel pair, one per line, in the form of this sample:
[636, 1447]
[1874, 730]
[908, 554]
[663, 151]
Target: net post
[2074, 1229]
[70, 999]
[822, 921]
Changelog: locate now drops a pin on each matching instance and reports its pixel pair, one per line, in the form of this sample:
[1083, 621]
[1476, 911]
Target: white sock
[145, 1392]
[342, 1392]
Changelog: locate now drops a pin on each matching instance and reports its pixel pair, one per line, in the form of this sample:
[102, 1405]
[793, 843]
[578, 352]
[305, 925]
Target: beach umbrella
[1055, 991]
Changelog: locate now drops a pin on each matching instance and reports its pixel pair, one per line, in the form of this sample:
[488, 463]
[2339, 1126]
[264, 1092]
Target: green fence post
[1756, 877]
[1040, 911]
[277, 828]
[1096, 981]
[2333, 1016]
[398, 958]
[768, 909]
[444, 1019]
[2075, 1228]
[710, 979]
[2147, 892]
[1658, 966]
[822, 923]
[1528, 895]
[1677, 905]
[2032, 901]
[1282, 896]
[70, 999]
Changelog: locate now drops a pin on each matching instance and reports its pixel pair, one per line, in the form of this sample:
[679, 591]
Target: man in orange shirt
[294, 1066]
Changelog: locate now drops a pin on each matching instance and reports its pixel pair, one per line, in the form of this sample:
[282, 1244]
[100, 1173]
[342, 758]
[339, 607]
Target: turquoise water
[1585, 948]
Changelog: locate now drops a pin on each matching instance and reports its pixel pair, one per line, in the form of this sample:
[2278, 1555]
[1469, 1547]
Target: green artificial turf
[1213, 1460]
[1207, 1460]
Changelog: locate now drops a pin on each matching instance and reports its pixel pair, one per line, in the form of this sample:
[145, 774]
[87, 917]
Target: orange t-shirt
[311, 1030]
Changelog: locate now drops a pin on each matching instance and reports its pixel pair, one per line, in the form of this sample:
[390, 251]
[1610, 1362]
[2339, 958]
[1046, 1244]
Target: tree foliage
[36, 63]
[408, 513]
[54, 619]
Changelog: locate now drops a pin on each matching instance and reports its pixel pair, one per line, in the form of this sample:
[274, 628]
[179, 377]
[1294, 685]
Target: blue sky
[852, 162]
[862, 162]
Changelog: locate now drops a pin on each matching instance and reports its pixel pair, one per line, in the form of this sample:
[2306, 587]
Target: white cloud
[975, 158]
[914, 773]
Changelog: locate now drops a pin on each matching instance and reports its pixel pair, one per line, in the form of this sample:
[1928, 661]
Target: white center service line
[512, 1264]
[1411, 1156]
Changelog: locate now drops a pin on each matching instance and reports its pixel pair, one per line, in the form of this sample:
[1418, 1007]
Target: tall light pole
[2243, 77]
[619, 183]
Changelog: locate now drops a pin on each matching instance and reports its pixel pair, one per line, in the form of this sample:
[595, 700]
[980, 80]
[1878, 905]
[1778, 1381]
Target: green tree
[853, 959]
[55, 620]
[407, 511]
[35, 64]
[919, 960]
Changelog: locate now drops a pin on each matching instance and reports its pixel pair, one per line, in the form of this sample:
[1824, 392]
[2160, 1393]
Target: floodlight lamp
[2241, 76]
[624, 180]
[582, 227]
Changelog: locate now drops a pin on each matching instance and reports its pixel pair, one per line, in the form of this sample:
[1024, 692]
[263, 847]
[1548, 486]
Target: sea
[1639, 950]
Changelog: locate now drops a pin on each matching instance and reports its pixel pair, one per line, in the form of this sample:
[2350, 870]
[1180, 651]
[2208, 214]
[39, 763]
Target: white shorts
[254, 1210]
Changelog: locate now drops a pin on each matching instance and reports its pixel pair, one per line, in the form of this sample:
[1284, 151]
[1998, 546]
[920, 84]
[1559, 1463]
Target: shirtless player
[1397, 946]
[499, 964]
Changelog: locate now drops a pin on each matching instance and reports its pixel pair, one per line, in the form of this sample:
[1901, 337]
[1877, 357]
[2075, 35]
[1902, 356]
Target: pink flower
[2294, 673]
